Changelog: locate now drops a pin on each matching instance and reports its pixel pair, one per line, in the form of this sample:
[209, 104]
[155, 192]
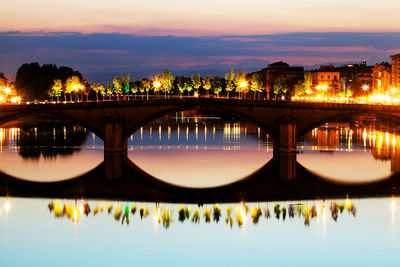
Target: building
[382, 77]
[356, 77]
[326, 78]
[396, 71]
[280, 70]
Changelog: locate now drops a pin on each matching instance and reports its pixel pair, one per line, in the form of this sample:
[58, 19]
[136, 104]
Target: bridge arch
[348, 116]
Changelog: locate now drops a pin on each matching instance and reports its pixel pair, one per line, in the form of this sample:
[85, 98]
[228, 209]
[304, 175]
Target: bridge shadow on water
[282, 178]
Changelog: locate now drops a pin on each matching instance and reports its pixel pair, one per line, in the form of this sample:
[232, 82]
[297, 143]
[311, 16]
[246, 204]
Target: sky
[143, 37]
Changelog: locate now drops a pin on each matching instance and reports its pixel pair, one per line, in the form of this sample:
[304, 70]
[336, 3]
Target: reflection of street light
[7, 206]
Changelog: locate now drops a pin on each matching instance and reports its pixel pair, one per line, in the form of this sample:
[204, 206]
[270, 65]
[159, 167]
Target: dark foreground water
[200, 151]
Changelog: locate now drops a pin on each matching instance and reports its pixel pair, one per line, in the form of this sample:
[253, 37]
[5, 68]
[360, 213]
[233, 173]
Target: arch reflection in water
[48, 151]
[238, 214]
[352, 153]
[199, 150]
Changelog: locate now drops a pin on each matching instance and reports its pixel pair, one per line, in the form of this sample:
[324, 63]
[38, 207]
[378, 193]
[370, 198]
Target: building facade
[396, 71]
[381, 78]
[326, 80]
[284, 72]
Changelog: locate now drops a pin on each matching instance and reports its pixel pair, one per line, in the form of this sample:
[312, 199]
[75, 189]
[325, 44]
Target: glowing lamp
[7, 90]
[243, 84]
[15, 100]
[156, 84]
[365, 87]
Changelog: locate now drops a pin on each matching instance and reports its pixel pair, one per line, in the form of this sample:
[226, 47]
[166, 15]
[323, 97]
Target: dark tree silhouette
[33, 81]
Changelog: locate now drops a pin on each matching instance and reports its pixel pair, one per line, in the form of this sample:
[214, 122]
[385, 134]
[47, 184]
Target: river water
[200, 151]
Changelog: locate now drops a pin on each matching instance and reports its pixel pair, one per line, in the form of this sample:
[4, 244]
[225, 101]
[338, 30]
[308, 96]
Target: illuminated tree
[157, 84]
[117, 86]
[134, 88]
[109, 90]
[182, 84]
[241, 83]
[217, 84]
[125, 83]
[96, 88]
[141, 87]
[304, 87]
[207, 84]
[307, 81]
[280, 87]
[145, 85]
[196, 82]
[167, 81]
[72, 85]
[56, 89]
[102, 91]
[230, 85]
[256, 84]
[189, 88]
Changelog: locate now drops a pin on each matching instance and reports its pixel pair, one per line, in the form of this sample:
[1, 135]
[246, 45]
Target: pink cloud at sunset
[190, 18]
[326, 49]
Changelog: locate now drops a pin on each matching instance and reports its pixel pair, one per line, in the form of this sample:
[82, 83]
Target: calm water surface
[33, 235]
[200, 151]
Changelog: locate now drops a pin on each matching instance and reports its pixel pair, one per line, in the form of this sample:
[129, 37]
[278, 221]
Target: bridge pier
[285, 149]
[287, 136]
[115, 149]
[114, 141]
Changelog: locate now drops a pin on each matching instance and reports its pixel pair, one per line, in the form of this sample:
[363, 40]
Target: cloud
[116, 52]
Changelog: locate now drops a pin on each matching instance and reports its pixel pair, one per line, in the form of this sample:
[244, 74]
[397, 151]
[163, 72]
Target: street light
[156, 84]
[365, 87]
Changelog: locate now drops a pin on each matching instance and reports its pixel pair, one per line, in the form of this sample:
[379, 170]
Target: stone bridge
[115, 121]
